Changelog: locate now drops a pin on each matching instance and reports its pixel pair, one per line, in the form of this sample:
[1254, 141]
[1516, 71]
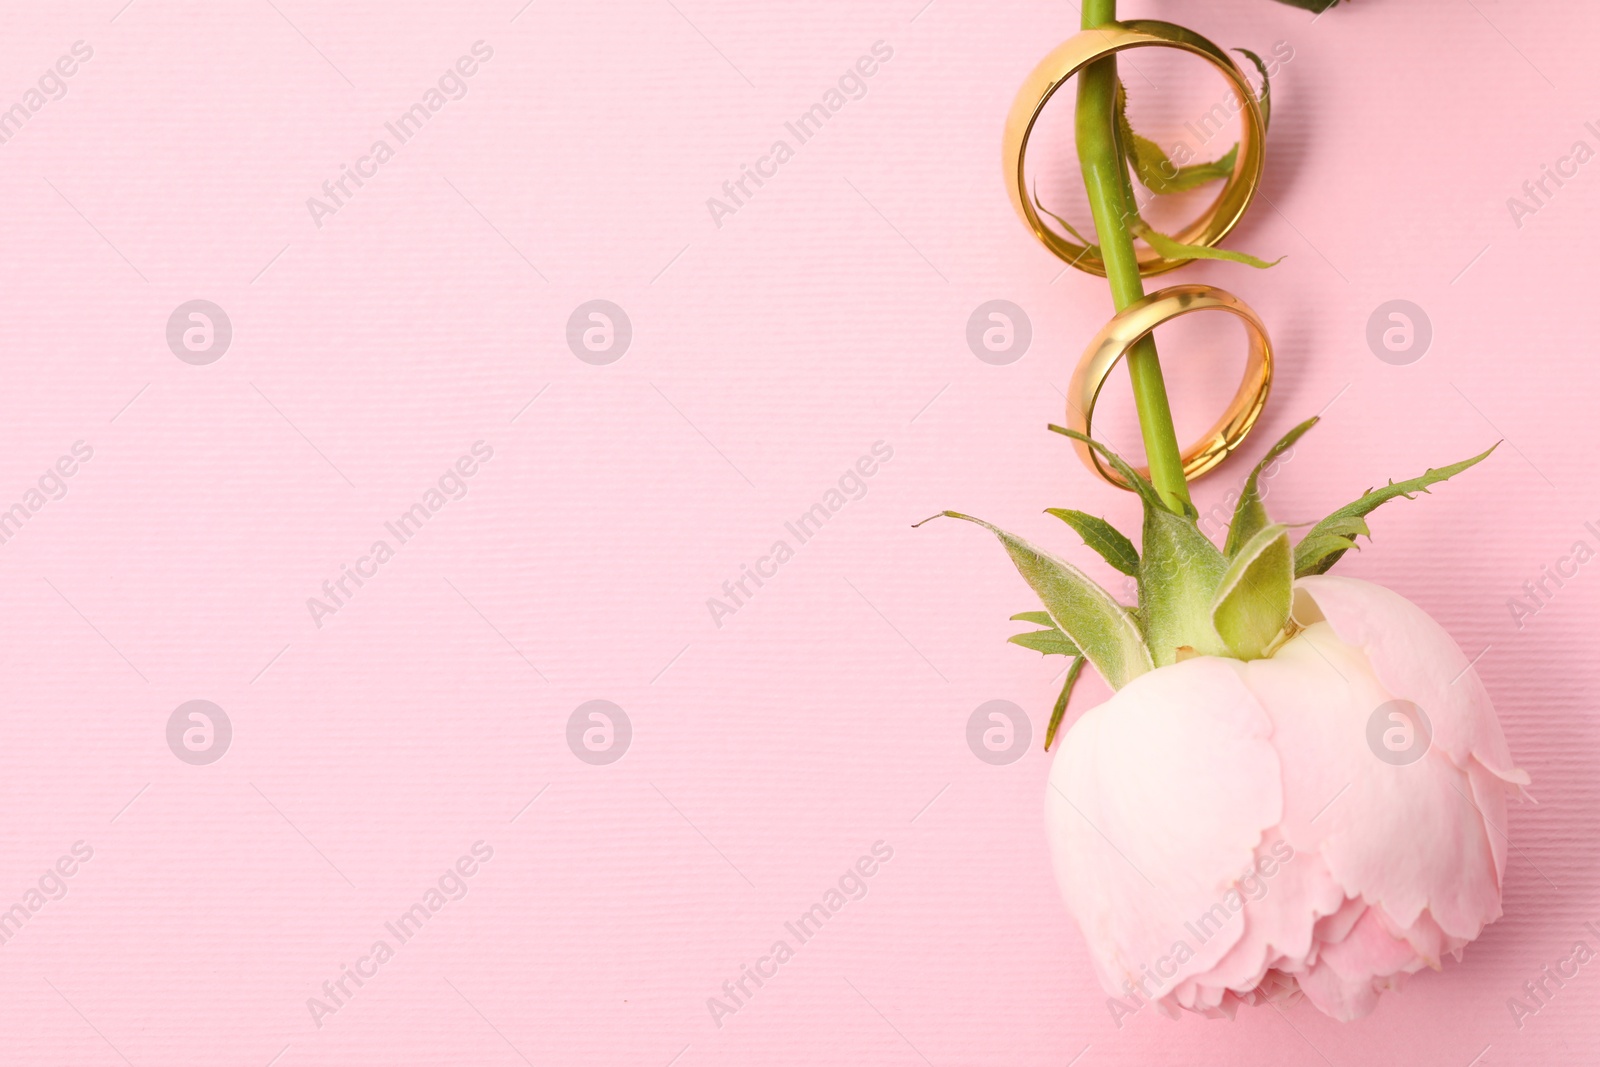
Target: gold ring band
[1071, 57]
[1137, 320]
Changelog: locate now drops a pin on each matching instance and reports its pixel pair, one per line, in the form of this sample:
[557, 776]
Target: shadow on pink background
[412, 742]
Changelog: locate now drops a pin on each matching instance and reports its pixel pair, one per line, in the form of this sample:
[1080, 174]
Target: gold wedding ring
[1071, 57]
[1137, 320]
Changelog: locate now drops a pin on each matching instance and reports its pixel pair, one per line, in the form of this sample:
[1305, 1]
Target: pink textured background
[768, 354]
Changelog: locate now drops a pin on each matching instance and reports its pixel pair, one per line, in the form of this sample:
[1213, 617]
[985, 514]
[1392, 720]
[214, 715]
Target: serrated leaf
[1264, 97]
[1319, 546]
[1339, 535]
[1051, 642]
[1250, 515]
[1060, 709]
[1038, 618]
[1345, 526]
[1178, 571]
[1161, 176]
[1251, 605]
[1155, 170]
[1079, 608]
[1333, 536]
[1104, 538]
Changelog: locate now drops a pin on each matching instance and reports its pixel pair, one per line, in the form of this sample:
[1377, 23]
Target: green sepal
[1251, 604]
[1051, 642]
[1060, 709]
[1104, 538]
[1335, 535]
[1338, 536]
[1079, 608]
[1178, 573]
[1141, 485]
[1250, 515]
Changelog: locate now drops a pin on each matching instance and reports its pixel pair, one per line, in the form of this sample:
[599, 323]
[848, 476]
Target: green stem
[1105, 176]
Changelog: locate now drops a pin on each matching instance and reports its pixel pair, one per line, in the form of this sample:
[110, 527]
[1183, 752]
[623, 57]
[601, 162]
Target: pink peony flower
[1298, 786]
[1232, 831]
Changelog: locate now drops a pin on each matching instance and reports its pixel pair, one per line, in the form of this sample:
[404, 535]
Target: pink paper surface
[421, 320]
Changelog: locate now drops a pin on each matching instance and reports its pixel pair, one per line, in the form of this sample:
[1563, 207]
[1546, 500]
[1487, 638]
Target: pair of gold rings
[1137, 320]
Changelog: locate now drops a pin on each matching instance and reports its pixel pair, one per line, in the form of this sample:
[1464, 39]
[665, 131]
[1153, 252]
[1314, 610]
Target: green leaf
[1079, 608]
[1250, 515]
[1319, 6]
[1329, 542]
[1051, 642]
[1334, 535]
[1103, 537]
[1076, 236]
[1161, 176]
[1178, 573]
[1345, 524]
[1061, 702]
[1155, 170]
[1264, 98]
[1251, 605]
[1175, 249]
